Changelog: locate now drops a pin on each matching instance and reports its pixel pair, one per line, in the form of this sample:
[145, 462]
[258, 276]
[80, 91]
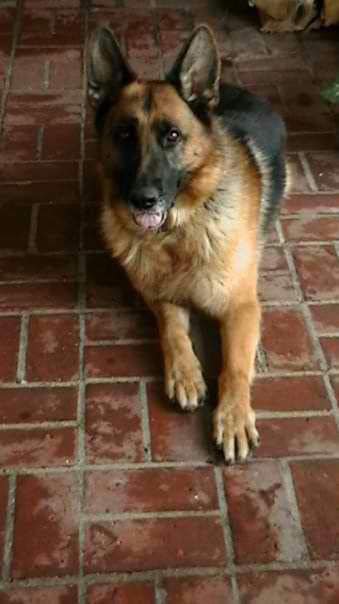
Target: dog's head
[157, 143]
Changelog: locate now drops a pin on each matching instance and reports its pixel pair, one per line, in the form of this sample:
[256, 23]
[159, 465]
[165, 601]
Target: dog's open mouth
[149, 221]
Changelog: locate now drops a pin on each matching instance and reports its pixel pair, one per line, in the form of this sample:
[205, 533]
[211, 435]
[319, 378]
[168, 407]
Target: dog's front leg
[183, 377]
[234, 419]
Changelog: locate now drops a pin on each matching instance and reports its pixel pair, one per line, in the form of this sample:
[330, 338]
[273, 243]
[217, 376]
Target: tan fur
[206, 256]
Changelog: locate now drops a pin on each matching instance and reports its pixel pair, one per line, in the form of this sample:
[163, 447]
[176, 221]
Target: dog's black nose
[144, 198]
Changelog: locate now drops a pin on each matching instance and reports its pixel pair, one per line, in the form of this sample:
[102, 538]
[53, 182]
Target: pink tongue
[148, 220]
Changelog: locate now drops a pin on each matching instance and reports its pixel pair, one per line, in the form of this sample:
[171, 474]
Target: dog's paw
[185, 384]
[234, 430]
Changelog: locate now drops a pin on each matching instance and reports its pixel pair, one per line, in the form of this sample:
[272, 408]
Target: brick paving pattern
[107, 493]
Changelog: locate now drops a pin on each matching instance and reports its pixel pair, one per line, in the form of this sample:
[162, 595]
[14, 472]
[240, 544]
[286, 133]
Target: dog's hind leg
[183, 377]
[234, 419]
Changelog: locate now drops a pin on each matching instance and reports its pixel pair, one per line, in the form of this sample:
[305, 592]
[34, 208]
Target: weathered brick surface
[100, 474]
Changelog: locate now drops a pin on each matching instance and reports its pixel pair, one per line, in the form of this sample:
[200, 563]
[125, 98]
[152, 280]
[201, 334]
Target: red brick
[247, 43]
[53, 348]
[61, 143]
[316, 484]
[168, 489]
[286, 341]
[170, 45]
[310, 228]
[37, 448]
[21, 405]
[92, 189]
[198, 590]
[46, 526]
[309, 141]
[141, 593]
[141, 47]
[324, 168]
[38, 595]
[33, 267]
[39, 192]
[5, 51]
[14, 225]
[61, 107]
[58, 228]
[38, 172]
[29, 70]
[249, 76]
[325, 318]
[113, 423]
[275, 64]
[91, 148]
[178, 436]
[276, 286]
[19, 144]
[312, 203]
[294, 587]
[127, 360]
[290, 394]
[146, 66]
[280, 46]
[137, 545]
[45, 27]
[273, 259]
[10, 335]
[335, 383]
[259, 513]
[125, 20]
[330, 347]
[3, 513]
[170, 19]
[92, 239]
[298, 436]
[305, 110]
[107, 284]
[65, 69]
[299, 182]
[120, 324]
[34, 296]
[318, 271]
[7, 19]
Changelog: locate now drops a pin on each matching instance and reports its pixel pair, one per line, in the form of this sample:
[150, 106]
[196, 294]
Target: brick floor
[108, 493]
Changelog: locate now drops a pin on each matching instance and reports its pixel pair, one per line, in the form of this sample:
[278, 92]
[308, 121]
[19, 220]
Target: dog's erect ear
[196, 72]
[107, 70]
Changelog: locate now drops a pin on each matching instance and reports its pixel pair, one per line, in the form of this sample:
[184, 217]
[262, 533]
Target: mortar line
[41, 471]
[288, 484]
[307, 171]
[39, 145]
[124, 516]
[228, 539]
[32, 247]
[84, 8]
[146, 431]
[9, 528]
[22, 354]
[8, 78]
[332, 398]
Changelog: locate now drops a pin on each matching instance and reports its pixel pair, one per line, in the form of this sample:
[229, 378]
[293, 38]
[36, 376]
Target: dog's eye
[173, 136]
[124, 133]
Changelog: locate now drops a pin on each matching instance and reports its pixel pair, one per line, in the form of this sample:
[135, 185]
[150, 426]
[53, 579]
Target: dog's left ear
[196, 72]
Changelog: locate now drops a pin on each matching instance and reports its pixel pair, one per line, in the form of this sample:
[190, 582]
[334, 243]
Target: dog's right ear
[107, 70]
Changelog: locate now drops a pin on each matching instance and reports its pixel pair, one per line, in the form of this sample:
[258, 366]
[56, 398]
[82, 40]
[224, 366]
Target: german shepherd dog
[192, 173]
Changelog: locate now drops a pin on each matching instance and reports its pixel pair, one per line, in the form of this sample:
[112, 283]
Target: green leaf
[331, 93]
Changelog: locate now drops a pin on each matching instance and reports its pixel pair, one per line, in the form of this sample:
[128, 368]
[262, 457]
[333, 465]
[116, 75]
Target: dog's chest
[183, 272]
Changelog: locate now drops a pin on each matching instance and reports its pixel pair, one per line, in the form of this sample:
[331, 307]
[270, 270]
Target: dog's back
[252, 121]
